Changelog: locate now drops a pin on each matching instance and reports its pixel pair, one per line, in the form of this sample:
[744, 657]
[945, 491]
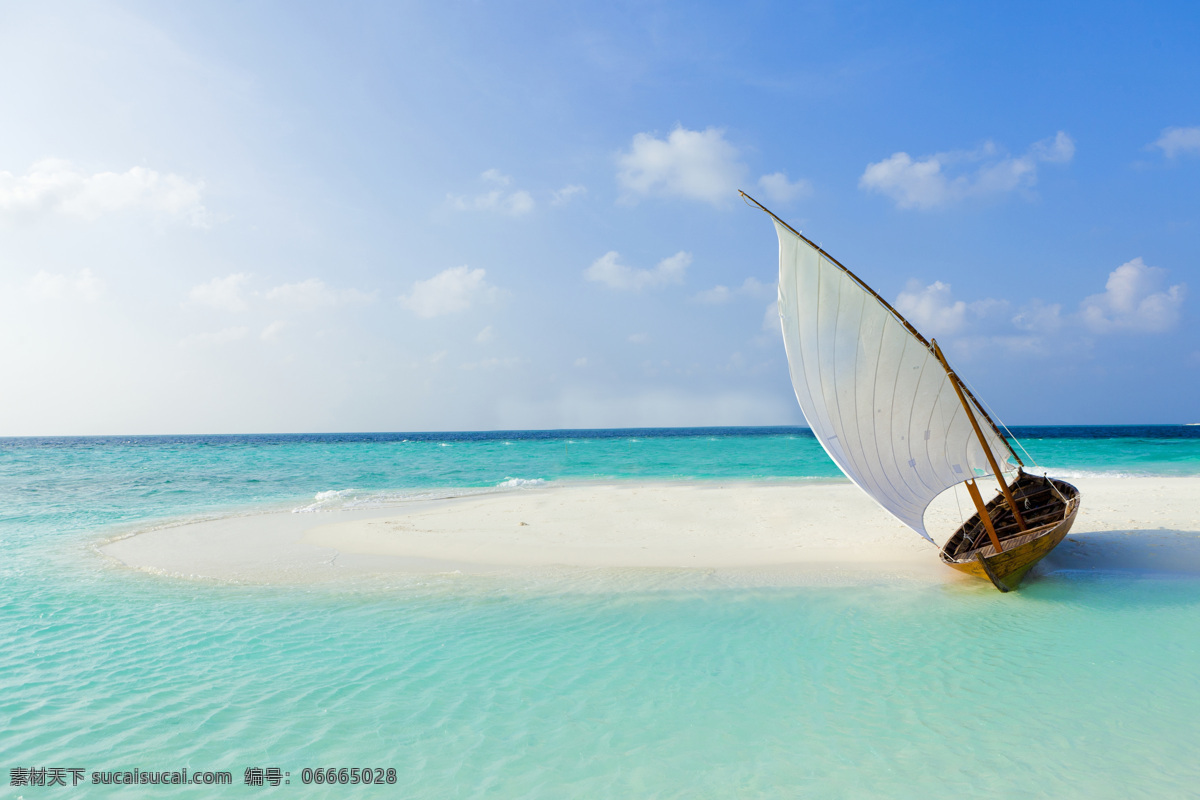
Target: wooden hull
[1050, 507]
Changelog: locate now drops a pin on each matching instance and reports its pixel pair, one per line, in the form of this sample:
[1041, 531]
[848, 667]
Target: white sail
[876, 397]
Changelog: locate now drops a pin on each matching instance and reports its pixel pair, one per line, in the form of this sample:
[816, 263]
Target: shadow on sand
[1165, 551]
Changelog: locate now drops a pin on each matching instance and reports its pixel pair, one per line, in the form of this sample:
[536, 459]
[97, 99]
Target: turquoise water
[1077, 686]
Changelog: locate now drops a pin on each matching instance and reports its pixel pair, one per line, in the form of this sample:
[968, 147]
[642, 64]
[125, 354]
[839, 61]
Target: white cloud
[697, 165]
[1038, 317]
[716, 296]
[581, 362]
[1179, 141]
[1132, 301]
[612, 273]
[215, 338]
[493, 363]
[934, 311]
[449, 291]
[515, 204]
[940, 179]
[495, 176]
[486, 335]
[314, 293]
[771, 323]
[272, 331]
[84, 285]
[222, 294]
[1059, 149]
[778, 189]
[638, 338]
[911, 184]
[719, 295]
[53, 186]
[563, 196]
[967, 330]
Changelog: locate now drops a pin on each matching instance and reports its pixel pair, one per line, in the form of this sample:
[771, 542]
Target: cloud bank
[934, 311]
[1136, 300]
[498, 199]
[695, 165]
[315, 293]
[776, 188]
[221, 294]
[609, 270]
[562, 196]
[53, 186]
[450, 291]
[719, 295]
[1179, 141]
[946, 178]
[1132, 301]
[83, 285]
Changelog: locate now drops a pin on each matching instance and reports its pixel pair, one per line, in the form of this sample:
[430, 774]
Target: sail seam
[837, 400]
[858, 437]
[830, 408]
[817, 347]
[883, 328]
[929, 427]
[892, 418]
[946, 427]
[911, 409]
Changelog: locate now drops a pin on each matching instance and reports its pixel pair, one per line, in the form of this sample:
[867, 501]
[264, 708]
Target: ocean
[1079, 685]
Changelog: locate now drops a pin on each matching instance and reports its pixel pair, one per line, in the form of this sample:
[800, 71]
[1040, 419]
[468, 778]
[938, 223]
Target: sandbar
[766, 532]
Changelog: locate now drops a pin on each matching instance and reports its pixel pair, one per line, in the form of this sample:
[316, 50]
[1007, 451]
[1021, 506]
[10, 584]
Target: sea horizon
[668, 430]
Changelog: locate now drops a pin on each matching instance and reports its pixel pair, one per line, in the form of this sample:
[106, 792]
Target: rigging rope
[1000, 422]
[1020, 445]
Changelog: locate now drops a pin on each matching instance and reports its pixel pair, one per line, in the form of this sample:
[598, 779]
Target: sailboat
[886, 406]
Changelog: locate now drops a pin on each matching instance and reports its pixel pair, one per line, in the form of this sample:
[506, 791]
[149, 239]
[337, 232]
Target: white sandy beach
[771, 531]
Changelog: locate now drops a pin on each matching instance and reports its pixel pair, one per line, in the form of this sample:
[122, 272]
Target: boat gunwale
[999, 566]
[988, 549]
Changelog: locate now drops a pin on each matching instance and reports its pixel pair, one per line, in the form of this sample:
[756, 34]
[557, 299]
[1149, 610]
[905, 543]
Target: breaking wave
[517, 483]
[349, 499]
[1067, 474]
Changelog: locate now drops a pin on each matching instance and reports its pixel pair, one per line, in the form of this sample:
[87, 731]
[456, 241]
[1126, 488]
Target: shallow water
[1076, 686]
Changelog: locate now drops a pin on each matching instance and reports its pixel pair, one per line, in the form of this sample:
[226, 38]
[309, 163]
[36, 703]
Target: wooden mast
[984, 517]
[959, 387]
[987, 451]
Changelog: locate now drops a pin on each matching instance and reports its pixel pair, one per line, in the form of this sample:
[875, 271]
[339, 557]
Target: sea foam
[350, 499]
[517, 483]
[353, 499]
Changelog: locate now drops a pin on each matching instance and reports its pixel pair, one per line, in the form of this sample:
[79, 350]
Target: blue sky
[229, 217]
